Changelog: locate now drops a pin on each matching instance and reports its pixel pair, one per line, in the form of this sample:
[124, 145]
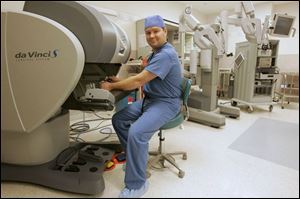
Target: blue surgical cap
[154, 20]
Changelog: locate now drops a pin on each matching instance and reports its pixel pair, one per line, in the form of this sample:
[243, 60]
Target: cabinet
[254, 81]
[224, 87]
[289, 88]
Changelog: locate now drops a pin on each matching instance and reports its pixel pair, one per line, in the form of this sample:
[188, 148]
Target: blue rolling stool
[160, 157]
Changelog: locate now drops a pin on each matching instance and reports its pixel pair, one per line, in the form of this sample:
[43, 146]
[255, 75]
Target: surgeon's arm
[130, 83]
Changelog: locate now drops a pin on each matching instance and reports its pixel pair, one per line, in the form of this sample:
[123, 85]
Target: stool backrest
[186, 88]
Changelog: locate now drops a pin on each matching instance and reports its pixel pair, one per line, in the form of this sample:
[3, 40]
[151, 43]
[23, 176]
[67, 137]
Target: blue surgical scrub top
[167, 85]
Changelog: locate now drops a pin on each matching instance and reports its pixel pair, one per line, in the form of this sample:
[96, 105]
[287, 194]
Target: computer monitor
[239, 60]
[282, 25]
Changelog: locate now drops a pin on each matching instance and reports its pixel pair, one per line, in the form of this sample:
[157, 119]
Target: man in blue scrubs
[136, 124]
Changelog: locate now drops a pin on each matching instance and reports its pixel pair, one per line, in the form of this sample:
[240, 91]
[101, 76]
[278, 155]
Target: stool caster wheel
[233, 103]
[181, 174]
[250, 109]
[270, 108]
[184, 156]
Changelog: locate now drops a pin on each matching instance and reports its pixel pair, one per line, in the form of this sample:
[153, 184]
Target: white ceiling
[211, 7]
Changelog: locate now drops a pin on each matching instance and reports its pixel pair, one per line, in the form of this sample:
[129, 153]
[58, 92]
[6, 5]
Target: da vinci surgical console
[53, 56]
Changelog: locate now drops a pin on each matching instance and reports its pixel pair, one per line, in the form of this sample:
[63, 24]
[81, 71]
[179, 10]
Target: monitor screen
[239, 60]
[282, 25]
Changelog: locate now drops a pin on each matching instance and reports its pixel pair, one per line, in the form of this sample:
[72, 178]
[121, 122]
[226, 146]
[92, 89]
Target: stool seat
[176, 121]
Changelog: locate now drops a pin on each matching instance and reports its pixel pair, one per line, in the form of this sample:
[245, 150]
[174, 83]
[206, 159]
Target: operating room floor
[212, 169]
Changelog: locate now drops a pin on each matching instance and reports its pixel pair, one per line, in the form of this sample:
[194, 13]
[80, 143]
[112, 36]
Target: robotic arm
[250, 25]
[206, 36]
[254, 30]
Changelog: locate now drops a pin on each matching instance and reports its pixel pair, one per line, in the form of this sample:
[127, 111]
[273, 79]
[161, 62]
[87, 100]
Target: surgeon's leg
[139, 134]
[122, 120]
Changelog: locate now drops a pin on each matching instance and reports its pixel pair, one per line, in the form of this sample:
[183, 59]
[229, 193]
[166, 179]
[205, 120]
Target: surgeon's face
[156, 36]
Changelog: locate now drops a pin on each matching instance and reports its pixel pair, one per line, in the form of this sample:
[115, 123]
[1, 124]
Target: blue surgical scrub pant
[135, 128]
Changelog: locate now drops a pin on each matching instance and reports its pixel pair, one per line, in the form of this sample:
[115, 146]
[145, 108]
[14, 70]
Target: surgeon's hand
[105, 85]
[112, 79]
